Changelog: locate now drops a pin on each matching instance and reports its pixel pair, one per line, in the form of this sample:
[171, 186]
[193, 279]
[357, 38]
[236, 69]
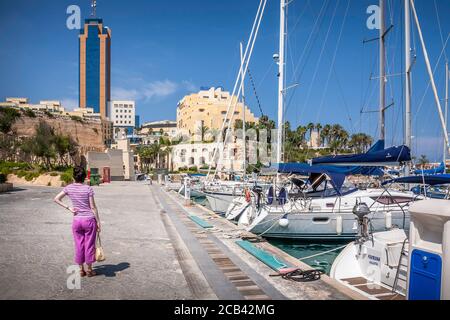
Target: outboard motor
[361, 211]
[258, 191]
[270, 196]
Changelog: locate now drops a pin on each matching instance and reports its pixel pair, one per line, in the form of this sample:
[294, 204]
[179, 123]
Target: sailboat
[390, 265]
[323, 209]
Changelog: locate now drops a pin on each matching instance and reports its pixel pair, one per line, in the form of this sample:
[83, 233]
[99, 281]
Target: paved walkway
[36, 247]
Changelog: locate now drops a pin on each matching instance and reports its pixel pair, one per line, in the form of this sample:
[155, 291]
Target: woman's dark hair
[79, 174]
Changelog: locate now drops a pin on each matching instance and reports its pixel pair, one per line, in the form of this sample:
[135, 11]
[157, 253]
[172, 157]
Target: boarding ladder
[401, 277]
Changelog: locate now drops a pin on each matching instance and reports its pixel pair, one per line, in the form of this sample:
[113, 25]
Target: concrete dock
[154, 251]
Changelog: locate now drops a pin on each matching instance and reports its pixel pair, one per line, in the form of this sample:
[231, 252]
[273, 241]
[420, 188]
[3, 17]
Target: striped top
[79, 194]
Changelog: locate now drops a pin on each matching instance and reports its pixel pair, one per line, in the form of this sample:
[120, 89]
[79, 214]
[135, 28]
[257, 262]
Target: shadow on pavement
[109, 270]
[14, 190]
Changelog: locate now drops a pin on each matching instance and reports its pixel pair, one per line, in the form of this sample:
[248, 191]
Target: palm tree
[310, 127]
[202, 131]
[325, 134]
[423, 160]
[318, 127]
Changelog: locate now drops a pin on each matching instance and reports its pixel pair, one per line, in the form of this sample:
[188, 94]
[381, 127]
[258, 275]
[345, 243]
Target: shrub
[2, 178]
[48, 114]
[193, 169]
[77, 119]
[29, 113]
[28, 175]
[7, 118]
[53, 174]
[7, 167]
[67, 176]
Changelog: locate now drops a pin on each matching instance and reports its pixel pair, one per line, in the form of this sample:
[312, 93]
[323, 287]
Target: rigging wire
[308, 49]
[333, 61]
[440, 28]
[429, 81]
[319, 60]
[254, 91]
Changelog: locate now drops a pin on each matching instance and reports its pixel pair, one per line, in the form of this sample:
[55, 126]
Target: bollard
[187, 192]
[166, 182]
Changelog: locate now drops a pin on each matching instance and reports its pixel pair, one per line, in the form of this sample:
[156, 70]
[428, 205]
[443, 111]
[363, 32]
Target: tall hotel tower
[95, 65]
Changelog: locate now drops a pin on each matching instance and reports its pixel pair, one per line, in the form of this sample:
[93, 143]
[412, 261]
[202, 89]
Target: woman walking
[86, 222]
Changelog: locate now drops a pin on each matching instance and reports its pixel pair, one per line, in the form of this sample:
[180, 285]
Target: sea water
[324, 253]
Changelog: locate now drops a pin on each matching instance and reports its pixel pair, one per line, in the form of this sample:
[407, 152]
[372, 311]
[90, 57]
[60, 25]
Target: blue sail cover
[336, 174]
[376, 156]
[431, 180]
[437, 170]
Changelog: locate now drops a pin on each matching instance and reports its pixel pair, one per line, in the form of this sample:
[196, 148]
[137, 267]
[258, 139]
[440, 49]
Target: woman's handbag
[99, 254]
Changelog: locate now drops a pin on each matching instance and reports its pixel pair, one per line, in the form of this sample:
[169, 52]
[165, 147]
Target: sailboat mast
[382, 70]
[447, 76]
[281, 81]
[243, 114]
[408, 86]
[431, 76]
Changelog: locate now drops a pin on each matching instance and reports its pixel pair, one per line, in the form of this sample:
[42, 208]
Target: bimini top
[431, 180]
[437, 170]
[376, 156]
[336, 174]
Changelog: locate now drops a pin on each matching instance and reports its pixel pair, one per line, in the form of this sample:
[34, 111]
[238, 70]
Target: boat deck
[373, 291]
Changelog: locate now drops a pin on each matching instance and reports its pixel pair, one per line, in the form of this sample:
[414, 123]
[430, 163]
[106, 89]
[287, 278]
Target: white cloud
[125, 94]
[151, 90]
[159, 89]
[189, 85]
[69, 103]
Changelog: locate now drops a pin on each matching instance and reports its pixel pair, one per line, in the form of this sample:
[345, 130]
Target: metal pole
[243, 114]
[187, 191]
[255, 28]
[447, 75]
[407, 80]
[430, 74]
[281, 81]
[382, 71]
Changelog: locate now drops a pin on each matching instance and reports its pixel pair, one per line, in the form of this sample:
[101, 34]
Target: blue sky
[162, 50]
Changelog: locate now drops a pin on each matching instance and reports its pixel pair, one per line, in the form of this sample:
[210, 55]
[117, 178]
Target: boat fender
[284, 222]
[248, 196]
[339, 225]
[388, 220]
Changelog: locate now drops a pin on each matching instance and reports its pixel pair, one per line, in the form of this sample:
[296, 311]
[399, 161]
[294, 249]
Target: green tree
[423, 160]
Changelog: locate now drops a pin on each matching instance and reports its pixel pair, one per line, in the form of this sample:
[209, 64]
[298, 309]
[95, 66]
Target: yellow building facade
[209, 108]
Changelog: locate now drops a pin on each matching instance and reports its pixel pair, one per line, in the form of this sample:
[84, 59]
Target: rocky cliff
[88, 134]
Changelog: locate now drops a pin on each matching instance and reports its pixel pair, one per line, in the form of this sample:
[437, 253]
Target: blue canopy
[376, 156]
[437, 170]
[431, 180]
[336, 174]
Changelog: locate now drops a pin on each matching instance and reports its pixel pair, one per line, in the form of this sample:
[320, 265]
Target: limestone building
[208, 108]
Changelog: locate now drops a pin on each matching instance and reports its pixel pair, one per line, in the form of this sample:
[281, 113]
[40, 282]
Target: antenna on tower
[94, 8]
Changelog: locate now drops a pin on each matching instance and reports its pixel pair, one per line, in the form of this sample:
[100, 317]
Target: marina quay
[224, 159]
